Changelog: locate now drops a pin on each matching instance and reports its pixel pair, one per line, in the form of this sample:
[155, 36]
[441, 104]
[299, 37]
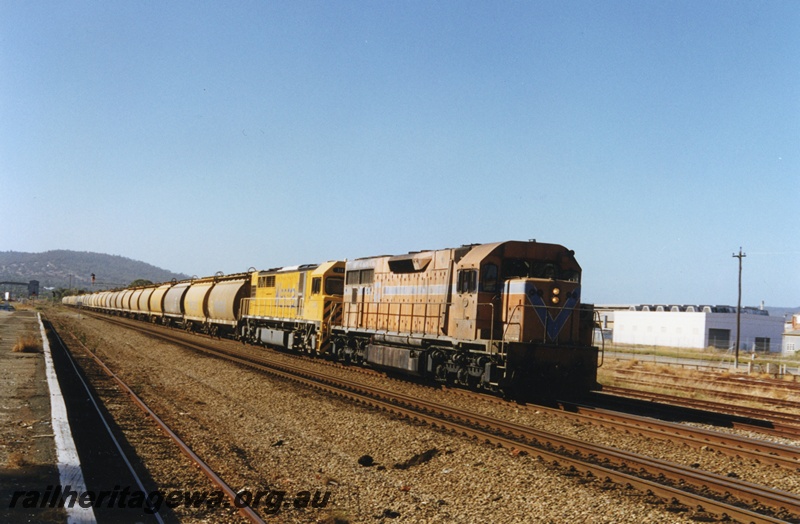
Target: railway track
[743, 501]
[245, 511]
[788, 388]
[755, 382]
[785, 425]
[782, 455]
[737, 379]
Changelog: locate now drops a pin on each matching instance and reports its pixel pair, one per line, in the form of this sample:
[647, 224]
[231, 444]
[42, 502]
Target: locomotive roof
[527, 249]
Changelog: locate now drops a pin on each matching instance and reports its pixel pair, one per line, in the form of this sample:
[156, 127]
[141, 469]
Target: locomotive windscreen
[521, 268]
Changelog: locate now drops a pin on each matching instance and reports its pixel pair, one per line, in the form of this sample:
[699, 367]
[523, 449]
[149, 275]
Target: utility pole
[740, 256]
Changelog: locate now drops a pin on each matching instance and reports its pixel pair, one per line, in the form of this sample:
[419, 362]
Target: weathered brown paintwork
[418, 295]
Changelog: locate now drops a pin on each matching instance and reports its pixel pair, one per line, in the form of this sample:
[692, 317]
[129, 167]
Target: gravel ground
[162, 468]
[262, 434]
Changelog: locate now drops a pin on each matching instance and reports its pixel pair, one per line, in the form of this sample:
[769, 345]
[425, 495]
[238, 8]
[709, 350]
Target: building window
[719, 338]
[762, 344]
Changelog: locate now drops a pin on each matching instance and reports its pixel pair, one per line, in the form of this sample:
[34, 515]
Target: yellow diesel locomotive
[293, 307]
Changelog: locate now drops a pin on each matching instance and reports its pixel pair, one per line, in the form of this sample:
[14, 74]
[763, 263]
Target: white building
[791, 336]
[695, 327]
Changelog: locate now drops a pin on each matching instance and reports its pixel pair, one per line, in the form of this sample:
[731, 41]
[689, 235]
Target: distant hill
[62, 268]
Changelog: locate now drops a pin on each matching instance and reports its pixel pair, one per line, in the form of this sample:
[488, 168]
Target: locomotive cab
[539, 298]
[547, 332]
[523, 300]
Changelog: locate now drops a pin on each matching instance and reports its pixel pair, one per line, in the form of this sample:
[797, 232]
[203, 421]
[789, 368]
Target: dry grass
[662, 379]
[27, 343]
[629, 364]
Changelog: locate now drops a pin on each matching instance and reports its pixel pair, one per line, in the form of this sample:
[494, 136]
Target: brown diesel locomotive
[503, 316]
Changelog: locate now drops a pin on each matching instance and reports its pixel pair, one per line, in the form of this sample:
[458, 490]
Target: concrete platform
[27, 450]
[62, 456]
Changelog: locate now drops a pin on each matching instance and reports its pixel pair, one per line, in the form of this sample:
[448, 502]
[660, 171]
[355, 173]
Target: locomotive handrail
[283, 307]
[602, 340]
[366, 314]
[505, 329]
[547, 318]
[326, 329]
[382, 314]
[491, 325]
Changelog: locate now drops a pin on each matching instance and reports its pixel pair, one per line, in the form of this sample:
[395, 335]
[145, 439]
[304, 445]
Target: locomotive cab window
[516, 268]
[355, 277]
[489, 278]
[316, 285]
[467, 280]
[570, 275]
[520, 268]
[266, 281]
[334, 286]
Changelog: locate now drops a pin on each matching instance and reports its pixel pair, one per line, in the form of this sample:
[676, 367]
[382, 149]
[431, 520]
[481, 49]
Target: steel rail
[738, 379]
[743, 490]
[539, 443]
[728, 395]
[781, 424]
[94, 398]
[783, 455]
[732, 445]
[246, 511]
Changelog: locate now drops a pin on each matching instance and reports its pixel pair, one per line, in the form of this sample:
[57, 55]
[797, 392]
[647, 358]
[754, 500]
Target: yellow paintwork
[297, 296]
[290, 295]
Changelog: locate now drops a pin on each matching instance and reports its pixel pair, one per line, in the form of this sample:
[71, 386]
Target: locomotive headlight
[555, 300]
[556, 291]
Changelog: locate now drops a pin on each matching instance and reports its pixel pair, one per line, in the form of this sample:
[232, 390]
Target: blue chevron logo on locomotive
[553, 325]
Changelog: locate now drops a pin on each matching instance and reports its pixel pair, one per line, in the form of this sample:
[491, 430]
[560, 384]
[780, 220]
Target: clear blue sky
[653, 138]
